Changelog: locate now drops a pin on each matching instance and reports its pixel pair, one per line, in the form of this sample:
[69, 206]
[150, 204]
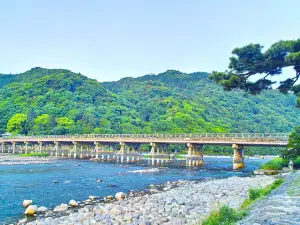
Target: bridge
[124, 147]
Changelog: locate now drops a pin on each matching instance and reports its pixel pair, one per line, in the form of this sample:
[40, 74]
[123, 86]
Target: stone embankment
[282, 206]
[8, 159]
[181, 202]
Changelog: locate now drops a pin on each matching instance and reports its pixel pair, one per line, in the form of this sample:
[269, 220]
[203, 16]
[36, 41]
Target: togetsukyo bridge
[123, 147]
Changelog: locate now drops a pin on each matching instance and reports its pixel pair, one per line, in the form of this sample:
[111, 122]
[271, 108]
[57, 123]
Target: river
[78, 179]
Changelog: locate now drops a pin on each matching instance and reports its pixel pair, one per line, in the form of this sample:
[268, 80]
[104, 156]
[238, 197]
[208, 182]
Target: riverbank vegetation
[36, 154]
[226, 215]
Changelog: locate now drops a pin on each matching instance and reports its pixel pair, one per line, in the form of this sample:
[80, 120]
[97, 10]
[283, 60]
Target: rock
[151, 186]
[73, 203]
[91, 197]
[110, 198]
[27, 203]
[42, 209]
[23, 221]
[30, 211]
[61, 208]
[120, 196]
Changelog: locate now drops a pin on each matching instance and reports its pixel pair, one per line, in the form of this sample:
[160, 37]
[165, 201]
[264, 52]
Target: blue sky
[108, 40]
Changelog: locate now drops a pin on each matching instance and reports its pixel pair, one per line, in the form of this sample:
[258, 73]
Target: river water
[19, 182]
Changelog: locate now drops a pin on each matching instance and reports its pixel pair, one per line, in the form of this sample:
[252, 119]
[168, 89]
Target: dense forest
[57, 101]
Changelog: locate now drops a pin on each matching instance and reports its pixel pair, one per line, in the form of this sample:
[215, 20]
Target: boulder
[42, 209]
[30, 211]
[73, 203]
[109, 198]
[61, 208]
[120, 196]
[91, 197]
[27, 203]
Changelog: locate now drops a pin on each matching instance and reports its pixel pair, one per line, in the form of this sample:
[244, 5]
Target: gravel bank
[8, 159]
[188, 203]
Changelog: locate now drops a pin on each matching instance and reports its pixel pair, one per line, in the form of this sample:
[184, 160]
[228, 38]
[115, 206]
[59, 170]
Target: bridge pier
[195, 155]
[238, 157]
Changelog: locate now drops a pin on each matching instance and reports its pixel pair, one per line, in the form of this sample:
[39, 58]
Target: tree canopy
[250, 60]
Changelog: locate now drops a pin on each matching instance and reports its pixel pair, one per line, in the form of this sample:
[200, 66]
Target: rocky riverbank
[182, 202]
[8, 159]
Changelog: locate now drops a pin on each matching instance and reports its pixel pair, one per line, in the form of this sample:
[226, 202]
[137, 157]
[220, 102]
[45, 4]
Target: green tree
[293, 145]
[249, 60]
[42, 124]
[17, 124]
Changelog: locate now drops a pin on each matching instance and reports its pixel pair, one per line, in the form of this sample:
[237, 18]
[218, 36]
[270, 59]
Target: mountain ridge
[169, 102]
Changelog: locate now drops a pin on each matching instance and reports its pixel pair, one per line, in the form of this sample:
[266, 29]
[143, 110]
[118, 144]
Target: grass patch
[229, 216]
[274, 164]
[224, 216]
[256, 193]
[37, 154]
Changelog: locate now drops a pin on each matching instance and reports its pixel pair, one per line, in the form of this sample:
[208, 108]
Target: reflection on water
[19, 182]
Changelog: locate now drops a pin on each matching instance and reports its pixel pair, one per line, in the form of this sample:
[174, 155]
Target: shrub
[255, 193]
[274, 164]
[224, 216]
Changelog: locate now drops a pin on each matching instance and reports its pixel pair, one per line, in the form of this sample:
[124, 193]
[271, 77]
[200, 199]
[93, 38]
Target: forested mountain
[56, 101]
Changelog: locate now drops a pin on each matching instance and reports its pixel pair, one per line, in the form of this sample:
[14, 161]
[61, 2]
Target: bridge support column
[26, 147]
[238, 157]
[74, 149]
[13, 147]
[96, 149]
[152, 153]
[103, 152]
[189, 155]
[56, 148]
[122, 150]
[81, 151]
[195, 155]
[40, 146]
[2, 147]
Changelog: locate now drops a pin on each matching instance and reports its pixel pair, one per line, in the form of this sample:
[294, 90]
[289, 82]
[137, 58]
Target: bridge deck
[246, 139]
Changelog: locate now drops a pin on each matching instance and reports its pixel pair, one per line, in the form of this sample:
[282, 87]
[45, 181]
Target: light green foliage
[274, 164]
[224, 216]
[36, 154]
[17, 124]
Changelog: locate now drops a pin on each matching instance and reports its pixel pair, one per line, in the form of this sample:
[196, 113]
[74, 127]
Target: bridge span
[124, 147]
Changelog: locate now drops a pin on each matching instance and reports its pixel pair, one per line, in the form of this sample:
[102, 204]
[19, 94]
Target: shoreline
[177, 202]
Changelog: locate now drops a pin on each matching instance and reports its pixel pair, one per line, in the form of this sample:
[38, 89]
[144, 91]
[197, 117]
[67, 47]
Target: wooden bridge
[123, 147]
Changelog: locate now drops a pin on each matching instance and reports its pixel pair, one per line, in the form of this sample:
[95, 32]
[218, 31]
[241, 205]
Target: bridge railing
[277, 136]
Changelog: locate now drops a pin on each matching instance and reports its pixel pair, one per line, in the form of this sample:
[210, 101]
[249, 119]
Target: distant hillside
[180, 102]
[57, 101]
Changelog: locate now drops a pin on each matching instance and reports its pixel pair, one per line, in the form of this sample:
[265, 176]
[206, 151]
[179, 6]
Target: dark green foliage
[293, 150]
[57, 101]
[250, 60]
[224, 216]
